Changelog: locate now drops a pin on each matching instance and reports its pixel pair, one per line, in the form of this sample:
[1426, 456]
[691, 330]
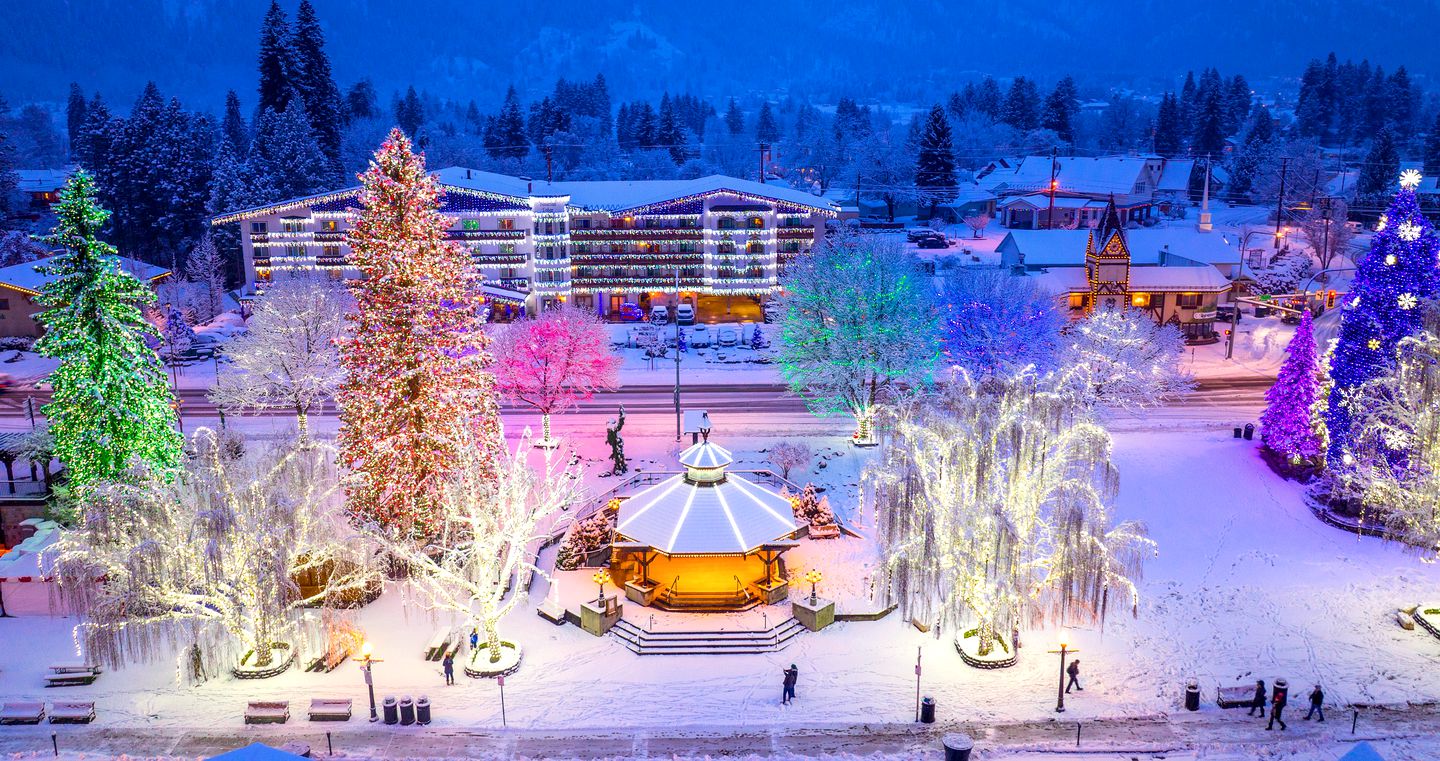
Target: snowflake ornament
[1390, 259]
[1409, 232]
[1410, 179]
[1407, 301]
[1374, 344]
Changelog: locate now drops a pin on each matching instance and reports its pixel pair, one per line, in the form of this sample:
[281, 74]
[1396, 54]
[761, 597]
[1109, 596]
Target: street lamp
[814, 577]
[1063, 651]
[600, 577]
[367, 654]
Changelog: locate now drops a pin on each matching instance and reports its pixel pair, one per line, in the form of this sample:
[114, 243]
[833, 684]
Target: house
[1175, 274]
[21, 283]
[599, 245]
[41, 187]
[1071, 192]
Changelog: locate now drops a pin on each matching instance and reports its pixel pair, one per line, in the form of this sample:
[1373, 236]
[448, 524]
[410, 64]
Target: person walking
[449, 665]
[1279, 696]
[1074, 671]
[474, 640]
[1259, 700]
[1317, 700]
[792, 675]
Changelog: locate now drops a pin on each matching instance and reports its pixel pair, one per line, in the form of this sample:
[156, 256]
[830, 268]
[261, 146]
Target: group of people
[1279, 697]
[448, 663]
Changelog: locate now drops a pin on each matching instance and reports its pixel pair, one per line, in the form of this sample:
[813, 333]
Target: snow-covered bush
[585, 537]
[811, 508]
[1285, 273]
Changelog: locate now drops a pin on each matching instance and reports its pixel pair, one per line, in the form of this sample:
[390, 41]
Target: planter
[640, 594]
[281, 656]
[999, 657]
[775, 592]
[814, 617]
[480, 667]
[1428, 616]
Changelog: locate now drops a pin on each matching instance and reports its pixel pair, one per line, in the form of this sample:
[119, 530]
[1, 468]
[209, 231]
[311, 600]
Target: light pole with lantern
[600, 577]
[367, 654]
[1063, 651]
[814, 577]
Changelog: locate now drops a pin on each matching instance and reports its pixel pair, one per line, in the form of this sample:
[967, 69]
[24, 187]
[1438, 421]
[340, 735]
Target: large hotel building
[597, 245]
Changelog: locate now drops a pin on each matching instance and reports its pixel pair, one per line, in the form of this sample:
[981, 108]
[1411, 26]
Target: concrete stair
[706, 602]
[644, 642]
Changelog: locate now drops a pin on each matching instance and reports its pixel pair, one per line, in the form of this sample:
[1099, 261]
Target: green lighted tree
[111, 403]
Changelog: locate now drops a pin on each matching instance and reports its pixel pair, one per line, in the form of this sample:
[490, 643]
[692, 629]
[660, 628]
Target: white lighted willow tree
[1394, 460]
[1121, 359]
[203, 563]
[478, 566]
[992, 502]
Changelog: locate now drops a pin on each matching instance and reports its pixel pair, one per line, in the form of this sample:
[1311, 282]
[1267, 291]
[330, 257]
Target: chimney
[467, 174]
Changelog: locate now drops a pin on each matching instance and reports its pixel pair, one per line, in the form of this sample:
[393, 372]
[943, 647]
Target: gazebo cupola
[705, 462]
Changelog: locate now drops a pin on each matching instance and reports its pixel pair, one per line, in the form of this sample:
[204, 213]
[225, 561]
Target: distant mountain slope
[198, 48]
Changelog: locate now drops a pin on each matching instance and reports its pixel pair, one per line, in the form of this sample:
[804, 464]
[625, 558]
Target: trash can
[927, 711]
[1249, 431]
[392, 716]
[957, 746]
[422, 711]
[1238, 432]
[1192, 695]
[407, 711]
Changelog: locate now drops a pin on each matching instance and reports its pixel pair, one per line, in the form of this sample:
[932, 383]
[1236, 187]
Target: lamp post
[1060, 693]
[600, 577]
[367, 652]
[677, 350]
[814, 577]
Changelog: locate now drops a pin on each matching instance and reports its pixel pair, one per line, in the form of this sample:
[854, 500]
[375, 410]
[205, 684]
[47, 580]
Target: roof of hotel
[1066, 248]
[25, 277]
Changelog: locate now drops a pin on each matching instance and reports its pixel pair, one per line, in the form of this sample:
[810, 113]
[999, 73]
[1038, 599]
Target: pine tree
[669, 133]
[233, 126]
[646, 126]
[1209, 138]
[1286, 424]
[1401, 102]
[1061, 107]
[1167, 140]
[987, 98]
[1432, 149]
[935, 162]
[734, 119]
[111, 405]
[8, 178]
[766, 129]
[1383, 305]
[1255, 152]
[410, 113]
[285, 155]
[417, 381]
[1187, 104]
[92, 150]
[509, 138]
[275, 63]
[1382, 164]
[361, 102]
[75, 109]
[315, 82]
[1021, 109]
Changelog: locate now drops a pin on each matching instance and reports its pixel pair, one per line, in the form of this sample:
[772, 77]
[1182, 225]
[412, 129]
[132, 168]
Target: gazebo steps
[706, 602]
[643, 642]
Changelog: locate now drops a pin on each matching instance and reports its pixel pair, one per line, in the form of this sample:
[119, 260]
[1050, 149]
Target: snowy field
[1247, 585]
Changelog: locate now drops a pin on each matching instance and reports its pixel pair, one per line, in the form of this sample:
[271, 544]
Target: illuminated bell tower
[1107, 263]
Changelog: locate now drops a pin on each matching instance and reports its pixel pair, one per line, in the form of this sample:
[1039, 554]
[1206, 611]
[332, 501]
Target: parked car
[700, 336]
[932, 241]
[685, 314]
[727, 336]
[1228, 312]
[914, 234]
[630, 313]
[660, 313]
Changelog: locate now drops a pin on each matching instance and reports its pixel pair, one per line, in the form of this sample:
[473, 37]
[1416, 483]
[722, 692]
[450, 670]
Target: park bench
[21, 712]
[267, 712]
[72, 712]
[71, 674]
[330, 709]
[439, 644]
[1238, 696]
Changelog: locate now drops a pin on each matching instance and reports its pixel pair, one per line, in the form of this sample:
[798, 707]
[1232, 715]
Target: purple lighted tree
[550, 362]
[1286, 425]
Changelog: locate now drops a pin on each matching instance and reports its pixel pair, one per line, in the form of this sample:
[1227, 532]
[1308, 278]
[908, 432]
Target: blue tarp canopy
[1362, 752]
[258, 752]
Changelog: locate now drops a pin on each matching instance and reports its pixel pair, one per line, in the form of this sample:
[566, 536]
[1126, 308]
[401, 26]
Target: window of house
[1077, 300]
[756, 248]
[1188, 300]
[331, 252]
[585, 224]
[507, 224]
[507, 248]
[330, 225]
[1140, 300]
[292, 225]
[756, 223]
[294, 250]
[727, 223]
[4, 304]
[469, 224]
[259, 228]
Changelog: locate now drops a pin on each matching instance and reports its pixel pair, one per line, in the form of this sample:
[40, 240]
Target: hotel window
[1077, 300]
[757, 223]
[507, 248]
[726, 223]
[507, 223]
[259, 228]
[1188, 300]
[469, 224]
[292, 225]
[330, 252]
[4, 304]
[330, 225]
[584, 224]
[295, 251]
[756, 248]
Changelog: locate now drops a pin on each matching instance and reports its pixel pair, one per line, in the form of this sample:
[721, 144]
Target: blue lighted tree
[1383, 306]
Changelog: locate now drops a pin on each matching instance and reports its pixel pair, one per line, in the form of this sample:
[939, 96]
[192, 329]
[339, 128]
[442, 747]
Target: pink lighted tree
[553, 361]
[1287, 425]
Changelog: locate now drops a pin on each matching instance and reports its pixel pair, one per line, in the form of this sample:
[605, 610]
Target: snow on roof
[1098, 175]
[41, 180]
[25, 276]
[623, 195]
[1066, 248]
[1064, 280]
[485, 182]
[1042, 201]
[1176, 175]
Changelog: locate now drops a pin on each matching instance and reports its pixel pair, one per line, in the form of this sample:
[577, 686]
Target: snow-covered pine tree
[233, 126]
[315, 83]
[285, 160]
[416, 357]
[111, 403]
[935, 162]
[275, 62]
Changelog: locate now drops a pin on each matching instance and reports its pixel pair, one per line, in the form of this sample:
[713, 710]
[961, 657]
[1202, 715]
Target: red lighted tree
[554, 360]
[416, 360]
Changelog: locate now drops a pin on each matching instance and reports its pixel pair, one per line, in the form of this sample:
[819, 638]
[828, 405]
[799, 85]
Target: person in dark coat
[792, 675]
[1317, 700]
[1074, 671]
[449, 665]
[1259, 701]
[1279, 696]
[474, 639]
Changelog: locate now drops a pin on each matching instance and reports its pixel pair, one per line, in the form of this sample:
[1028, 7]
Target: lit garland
[1399, 271]
[416, 361]
[111, 402]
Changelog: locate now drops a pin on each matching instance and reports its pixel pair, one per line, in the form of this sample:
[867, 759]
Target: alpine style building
[601, 246]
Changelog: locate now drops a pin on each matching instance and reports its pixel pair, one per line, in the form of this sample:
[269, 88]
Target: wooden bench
[1239, 696]
[71, 675]
[72, 712]
[21, 712]
[438, 644]
[267, 712]
[330, 709]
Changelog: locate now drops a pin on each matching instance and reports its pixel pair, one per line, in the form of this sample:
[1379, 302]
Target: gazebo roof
[706, 455]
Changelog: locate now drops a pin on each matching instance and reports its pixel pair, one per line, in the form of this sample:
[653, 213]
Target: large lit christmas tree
[1286, 424]
[417, 381]
[1383, 306]
[111, 404]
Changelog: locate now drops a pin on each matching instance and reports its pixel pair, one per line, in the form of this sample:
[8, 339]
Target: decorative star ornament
[1390, 259]
[1410, 179]
[1374, 344]
[1407, 301]
[1409, 232]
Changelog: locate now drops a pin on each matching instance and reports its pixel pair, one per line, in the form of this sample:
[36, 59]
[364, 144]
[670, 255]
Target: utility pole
[677, 353]
[1280, 202]
[549, 176]
[763, 148]
[1050, 219]
[1205, 224]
